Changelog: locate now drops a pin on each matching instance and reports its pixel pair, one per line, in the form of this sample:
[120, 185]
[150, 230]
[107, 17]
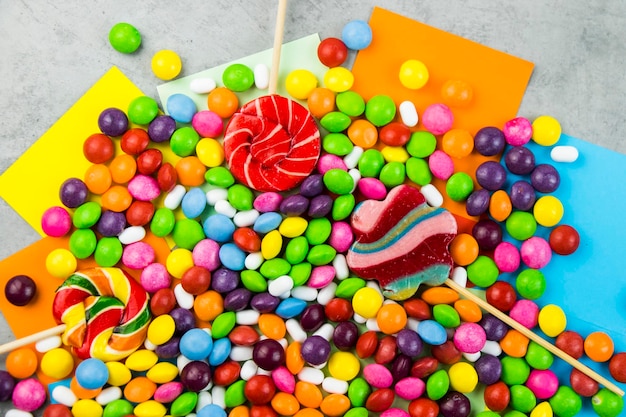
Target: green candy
[240, 197]
[321, 255]
[238, 77]
[514, 413]
[234, 394]
[300, 273]
[274, 268]
[143, 110]
[162, 222]
[343, 206]
[296, 250]
[118, 408]
[357, 412]
[483, 272]
[348, 287]
[487, 413]
[531, 284]
[380, 110]
[565, 402]
[83, 243]
[538, 357]
[124, 38]
[184, 140]
[358, 391]
[187, 233]
[522, 398]
[521, 225]
[446, 315]
[318, 231]
[607, 404]
[418, 171]
[220, 177]
[86, 215]
[184, 404]
[223, 324]
[338, 181]
[421, 144]
[108, 252]
[459, 186]
[437, 385]
[337, 144]
[515, 371]
[350, 103]
[335, 121]
[371, 163]
[253, 280]
[393, 174]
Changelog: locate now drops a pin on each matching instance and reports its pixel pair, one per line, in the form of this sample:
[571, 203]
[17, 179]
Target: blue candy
[267, 222]
[219, 227]
[181, 108]
[92, 373]
[196, 344]
[211, 410]
[232, 257]
[432, 332]
[290, 307]
[194, 203]
[220, 352]
[357, 35]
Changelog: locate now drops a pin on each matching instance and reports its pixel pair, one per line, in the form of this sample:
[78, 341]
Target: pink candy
[536, 252]
[341, 236]
[143, 188]
[437, 118]
[206, 253]
[284, 380]
[329, 161]
[56, 221]
[525, 312]
[321, 276]
[208, 124]
[469, 338]
[441, 165]
[378, 376]
[543, 383]
[507, 257]
[168, 392]
[372, 188]
[267, 202]
[155, 277]
[410, 388]
[138, 255]
[517, 131]
[29, 394]
[394, 412]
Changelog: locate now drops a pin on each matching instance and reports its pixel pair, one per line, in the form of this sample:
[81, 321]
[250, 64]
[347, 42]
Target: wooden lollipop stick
[278, 43]
[534, 337]
[7, 347]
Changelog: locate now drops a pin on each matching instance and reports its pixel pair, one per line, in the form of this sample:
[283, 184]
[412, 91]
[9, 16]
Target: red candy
[57, 410]
[497, 396]
[149, 161]
[139, 213]
[446, 353]
[247, 239]
[582, 384]
[98, 148]
[380, 400]
[423, 407]
[386, 351]
[571, 343]
[162, 302]
[262, 411]
[424, 367]
[332, 52]
[167, 177]
[196, 280]
[259, 389]
[501, 295]
[564, 240]
[243, 336]
[226, 373]
[394, 134]
[366, 344]
[338, 310]
[134, 141]
[418, 309]
[617, 367]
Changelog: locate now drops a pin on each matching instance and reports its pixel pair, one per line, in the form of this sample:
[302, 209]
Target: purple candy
[237, 299]
[7, 383]
[73, 192]
[315, 350]
[312, 186]
[478, 202]
[409, 343]
[522, 195]
[345, 335]
[454, 404]
[169, 349]
[545, 178]
[111, 223]
[183, 319]
[487, 233]
[268, 354]
[196, 375]
[224, 280]
[495, 329]
[491, 175]
[113, 122]
[312, 317]
[161, 128]
[320, 206]
[401, 367]
[294, 205]
[20, 290]
[488, 368]
[264, 302]
[489, 141]
[520, 160]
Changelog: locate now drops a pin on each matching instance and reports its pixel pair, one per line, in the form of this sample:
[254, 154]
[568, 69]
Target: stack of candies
[256, 312]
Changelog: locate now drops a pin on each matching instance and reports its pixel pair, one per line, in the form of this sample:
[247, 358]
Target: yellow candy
[293, 227]
[542, 409]
[178, 261]
[300, 83]
[463, 377]
[210, 152]
[150, 408]
[57, 363]
[161, 330]
[395, 154]
[119, 374]
[162, 372]
[366, 302]
[166, 64]
[344, 366]
[552, 320]
[413, 74]
[271, 244]
[338, 79]
[548, 210]
[142, 360]
[87, 408]
[546, 130]
[61, 263]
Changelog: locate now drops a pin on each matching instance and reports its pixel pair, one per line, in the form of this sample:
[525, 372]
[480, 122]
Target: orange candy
[599, 346]
[457, 93]
[139, 389]
[190, 171]
[440, 295]
[285, 404]
[335, 405]
[117, 199]
[208, 305]
[21, 363]
[83, 393]
[309, 395]
[321, 101]
[464, 249]
[308, 412]
[123, 168]
[272, 326]
[458, 143]
[514, 344]
[239, 411]
[500, 205]
[468, 310]
[98, 178]
[223, 102]
[363, 133]
[391, 318]
[293, 358]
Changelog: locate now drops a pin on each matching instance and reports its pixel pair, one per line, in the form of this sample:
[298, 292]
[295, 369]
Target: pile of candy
[268, 304]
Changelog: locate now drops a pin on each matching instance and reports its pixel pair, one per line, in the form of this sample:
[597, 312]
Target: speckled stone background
[51, 52]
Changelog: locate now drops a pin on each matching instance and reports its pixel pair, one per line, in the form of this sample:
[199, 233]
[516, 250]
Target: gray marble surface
[51, 52]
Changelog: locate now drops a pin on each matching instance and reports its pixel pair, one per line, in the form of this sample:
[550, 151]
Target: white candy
[215, 195]
[334, 386]
[492, 348]
[149, 345]
[311, 375]
[204, 399]
[261, 371]
[280, 285]
[283, 342]
[326, 331]
[14, 412]
[352, 159]
[108, 395]
[408, 113]
[564, 154]
[241, 353]
[64, 395]
[202, 85]
[285, 295]
[341, 267]
[261, 76]
[132, 234]
[459, 275]
[48, 343]
[432, 195]
[358, 318]
[248, 370]
[412, 323]
[326, 294]
[173, 198]
[183, 298]
[247, 317]
[356, 177]
[374, 285]
[296, 331]
[181, 362]
[372, 324]
[320, 366]
[304, 293]
[225, 208]
[245, 218]
[219, 393]
[254, 260]
[472, 357]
